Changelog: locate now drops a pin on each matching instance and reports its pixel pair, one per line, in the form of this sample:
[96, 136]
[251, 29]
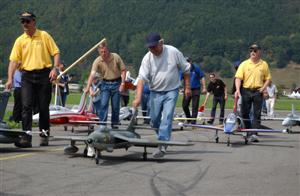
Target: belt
[252, 89]
[113, 80]
[37, 70]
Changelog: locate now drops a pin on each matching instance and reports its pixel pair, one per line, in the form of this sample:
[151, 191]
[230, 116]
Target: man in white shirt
[160, 68]
[272, 91]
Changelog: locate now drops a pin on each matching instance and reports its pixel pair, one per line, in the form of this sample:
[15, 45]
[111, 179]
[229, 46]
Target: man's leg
[246, 107]
[169, 104]
[213, 110]
[185, 106]
[115, 105]
[257, 106]
[195, 103]
[272, 103]
[17, 111]
[156, 102]
[222, 109]
[104, 94]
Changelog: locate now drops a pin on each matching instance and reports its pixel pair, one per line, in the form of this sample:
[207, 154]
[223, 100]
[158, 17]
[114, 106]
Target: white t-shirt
[272, 90]
[162, 72]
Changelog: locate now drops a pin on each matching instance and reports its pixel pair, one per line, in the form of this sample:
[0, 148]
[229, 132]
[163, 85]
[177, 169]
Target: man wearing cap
[113, 71]
[34, 49]
[197, 80]
[255, 74]
[160, 68]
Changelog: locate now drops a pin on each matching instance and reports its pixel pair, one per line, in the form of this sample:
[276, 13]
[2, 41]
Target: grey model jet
[291, 120]
[110, 139]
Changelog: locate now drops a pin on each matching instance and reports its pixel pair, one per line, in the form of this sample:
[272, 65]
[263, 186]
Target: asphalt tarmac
[270, 167]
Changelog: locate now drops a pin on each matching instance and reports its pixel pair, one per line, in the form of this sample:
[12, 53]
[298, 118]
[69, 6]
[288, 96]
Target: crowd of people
[31, 73]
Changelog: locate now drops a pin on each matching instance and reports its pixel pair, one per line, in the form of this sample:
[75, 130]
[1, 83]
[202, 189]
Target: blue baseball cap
[152, 39]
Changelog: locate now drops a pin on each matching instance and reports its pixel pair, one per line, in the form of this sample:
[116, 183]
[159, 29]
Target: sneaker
[24, 142]
[254, 138]
[44, 141]
[90, 152]
[160, 152]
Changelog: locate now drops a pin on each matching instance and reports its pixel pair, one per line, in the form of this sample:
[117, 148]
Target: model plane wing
[83, 122]
[71, 138]
[262, 130]
[202, 126]
[151, 142]
[271, 118]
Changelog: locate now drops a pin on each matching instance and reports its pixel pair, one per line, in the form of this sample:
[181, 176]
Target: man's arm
[203, 85]
[123, 76]
[13, 65]
[225, 93]
[238, 87]
[138, 95]
[54, 72]
[206, 98]
[187, 86]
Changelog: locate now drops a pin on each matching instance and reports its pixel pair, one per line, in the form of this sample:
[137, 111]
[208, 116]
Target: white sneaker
[254, 138]
[90, 152]
[160, 152]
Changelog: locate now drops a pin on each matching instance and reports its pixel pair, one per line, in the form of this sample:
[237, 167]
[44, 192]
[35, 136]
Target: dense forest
[214, 33]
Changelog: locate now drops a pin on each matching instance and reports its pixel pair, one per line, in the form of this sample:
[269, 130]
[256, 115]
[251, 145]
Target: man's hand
[204, 91]
[8, 84]
[122, 87]
[237, 94]
[53, 74]
[136, 102]
[187, 92]
[226, 97]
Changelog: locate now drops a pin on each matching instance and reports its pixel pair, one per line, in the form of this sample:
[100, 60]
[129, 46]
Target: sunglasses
[253, 50]
[25, 21]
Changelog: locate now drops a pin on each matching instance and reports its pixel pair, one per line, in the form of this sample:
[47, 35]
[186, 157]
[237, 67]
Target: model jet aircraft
[292, 119]
[9, 136]
[294, 95]
[110, 139]
[77, 116]
[233, 124]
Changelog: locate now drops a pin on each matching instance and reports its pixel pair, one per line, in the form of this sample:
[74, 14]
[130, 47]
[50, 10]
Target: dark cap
[152, 39]
[27, 16]
[255, 46]
[188, 59]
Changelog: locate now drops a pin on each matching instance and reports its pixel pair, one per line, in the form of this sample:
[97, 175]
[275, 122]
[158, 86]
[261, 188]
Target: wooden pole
[75, 63]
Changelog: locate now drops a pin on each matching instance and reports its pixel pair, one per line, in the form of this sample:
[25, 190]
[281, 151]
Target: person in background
[197, 81]
[160, 67]
[112, 70]
[255, 74]
[17, 110]
[34, 49]
[95, 94]
[63, 85]
[218, 88]
[270, 102]
[146, 103]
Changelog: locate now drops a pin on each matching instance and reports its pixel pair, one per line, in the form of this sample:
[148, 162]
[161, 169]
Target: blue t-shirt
[17, 79]
[196, 74]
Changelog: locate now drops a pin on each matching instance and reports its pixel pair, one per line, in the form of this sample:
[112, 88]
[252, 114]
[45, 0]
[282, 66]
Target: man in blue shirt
[197, 80]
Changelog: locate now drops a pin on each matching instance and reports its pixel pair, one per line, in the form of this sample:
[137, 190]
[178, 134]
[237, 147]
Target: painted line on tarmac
[16, 156]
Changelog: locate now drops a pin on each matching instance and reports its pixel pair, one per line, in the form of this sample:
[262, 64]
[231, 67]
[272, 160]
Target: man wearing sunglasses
[160, 67]
[255, 74]
[34, 49]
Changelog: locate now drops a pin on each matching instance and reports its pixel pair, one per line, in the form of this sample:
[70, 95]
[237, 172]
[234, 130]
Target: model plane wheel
[65, 128]
[145, 156]
[217, 139]
[246, 141]
[72, 130]
[97, 156]
[181, 128]
[85, 151]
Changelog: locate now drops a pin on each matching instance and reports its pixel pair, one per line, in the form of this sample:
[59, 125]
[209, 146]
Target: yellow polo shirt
[110, 70]
[253, 75]
[34, 52]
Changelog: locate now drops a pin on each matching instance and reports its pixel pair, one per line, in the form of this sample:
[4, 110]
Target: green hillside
[214, 33]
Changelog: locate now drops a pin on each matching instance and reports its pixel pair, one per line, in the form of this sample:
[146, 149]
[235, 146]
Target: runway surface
[270, 167]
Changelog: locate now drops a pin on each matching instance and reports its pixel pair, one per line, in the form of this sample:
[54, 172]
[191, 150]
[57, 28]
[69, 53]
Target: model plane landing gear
[216, 137]
[228, 141]
[246, 140]
[66, 128]
[145, 154]
[97, 156]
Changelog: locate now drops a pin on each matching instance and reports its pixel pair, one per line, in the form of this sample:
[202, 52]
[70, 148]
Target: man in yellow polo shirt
[34, 49]
[255, 74]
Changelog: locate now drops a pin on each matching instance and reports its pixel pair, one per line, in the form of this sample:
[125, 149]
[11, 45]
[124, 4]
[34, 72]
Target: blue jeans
[146, 105]
[110, 91]
[162, 110]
